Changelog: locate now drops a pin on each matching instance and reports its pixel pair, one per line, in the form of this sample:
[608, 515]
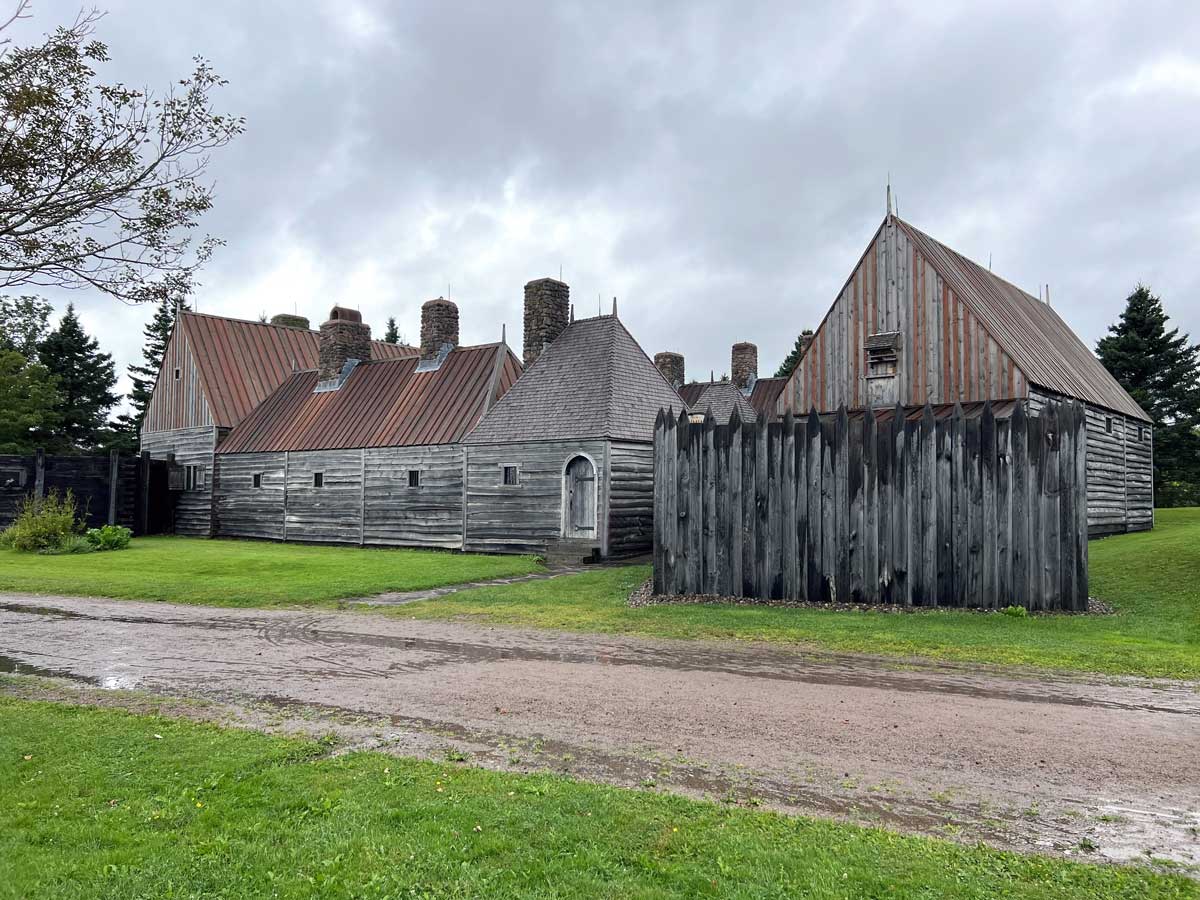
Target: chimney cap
[289, 320]
[344, 314]
[439, 301]
[546, 280]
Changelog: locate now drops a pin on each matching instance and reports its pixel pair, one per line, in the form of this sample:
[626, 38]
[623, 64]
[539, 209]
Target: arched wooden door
[579, 498]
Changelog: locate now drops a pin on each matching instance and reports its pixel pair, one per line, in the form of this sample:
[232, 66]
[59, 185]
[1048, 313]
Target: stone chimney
[290, 321]
[343, 338]
[439, 327]
[744, 365]
[671, 366]
[547, 313]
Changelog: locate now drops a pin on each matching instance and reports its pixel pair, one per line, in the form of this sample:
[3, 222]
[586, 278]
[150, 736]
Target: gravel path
[1032, 762]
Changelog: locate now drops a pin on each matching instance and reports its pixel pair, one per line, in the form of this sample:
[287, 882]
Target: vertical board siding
[946, 354]
[177, 404]
[523, 518]
[88, 478]
[954, 510]
[190, 447]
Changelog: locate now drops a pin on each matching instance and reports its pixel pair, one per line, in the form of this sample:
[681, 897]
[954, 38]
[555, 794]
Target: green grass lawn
[246, 573]
[1152, 578]
[100, 803]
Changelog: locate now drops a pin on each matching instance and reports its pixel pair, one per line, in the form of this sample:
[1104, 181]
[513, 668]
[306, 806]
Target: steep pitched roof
[384, 403]
[1030, 331]
[720, 398]
[765, 394]
[593, 381]
[241, 362]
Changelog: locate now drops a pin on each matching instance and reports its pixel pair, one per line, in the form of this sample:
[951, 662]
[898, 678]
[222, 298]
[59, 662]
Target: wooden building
[216, 371]
[918, 323]
[363, 452]
[750, 395]
[564, 462]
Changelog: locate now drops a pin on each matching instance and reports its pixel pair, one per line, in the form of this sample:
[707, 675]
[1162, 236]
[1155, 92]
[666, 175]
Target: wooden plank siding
[178, 402]
[985, 512]
[631, 498]
[946, 355]
[1119, 470]
[189, 447]
[526, 517]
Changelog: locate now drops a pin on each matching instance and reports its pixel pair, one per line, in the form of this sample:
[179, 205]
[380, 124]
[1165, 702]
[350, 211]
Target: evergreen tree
[24, 321]
[1161, 370]
[157, 335]
[29, 401]
[392, 335]
[789, 362]
[85, 380]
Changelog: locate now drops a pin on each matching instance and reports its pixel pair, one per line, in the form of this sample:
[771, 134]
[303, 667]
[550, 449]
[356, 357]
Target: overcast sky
[718, 167]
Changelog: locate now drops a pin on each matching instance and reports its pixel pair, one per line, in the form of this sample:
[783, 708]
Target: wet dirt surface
[1100, 769]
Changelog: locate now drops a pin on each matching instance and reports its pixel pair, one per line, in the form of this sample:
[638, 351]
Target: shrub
[72, 543]
[109, 537]
[42, 525]
[1017, 612]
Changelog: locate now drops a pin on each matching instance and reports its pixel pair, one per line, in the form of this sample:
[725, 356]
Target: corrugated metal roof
[384, 403]
[593, 381]
[1030, 331]
[241, 362]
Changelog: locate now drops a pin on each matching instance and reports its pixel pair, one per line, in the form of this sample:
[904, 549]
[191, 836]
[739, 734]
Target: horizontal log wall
[190, 447]
[631, 499]
[524, 518]
[1120, 473]
[364, 498]
[955, 511]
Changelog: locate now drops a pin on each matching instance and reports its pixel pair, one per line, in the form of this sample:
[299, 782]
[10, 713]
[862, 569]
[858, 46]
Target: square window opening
[318, 479]
[511, 476]
[883, 354]
[193, 478]
[414, 478]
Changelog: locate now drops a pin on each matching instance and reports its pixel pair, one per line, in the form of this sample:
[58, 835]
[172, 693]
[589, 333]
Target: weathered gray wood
[734, 490]
[943, 483]
[814, 565]
[987, 450]
[1004, 581]
[870, 504]
[114, 484]
[788, 550]
[854, 489]
[830, 538]
[843, 528]
[929, 544]
[709, 525]
[762, 576]
[975, 535]
[1021, 532]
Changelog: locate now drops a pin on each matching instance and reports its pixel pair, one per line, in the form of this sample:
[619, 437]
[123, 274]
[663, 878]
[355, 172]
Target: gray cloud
[717, 166]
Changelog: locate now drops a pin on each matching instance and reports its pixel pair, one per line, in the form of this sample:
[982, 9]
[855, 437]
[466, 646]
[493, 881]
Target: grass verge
[101, 803]
[1150, 578]
[247, 573]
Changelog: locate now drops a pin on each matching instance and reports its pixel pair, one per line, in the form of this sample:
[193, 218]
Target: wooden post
[39, 475]
[659, 506]
[114, 477]
[143, 493]
[733, 487]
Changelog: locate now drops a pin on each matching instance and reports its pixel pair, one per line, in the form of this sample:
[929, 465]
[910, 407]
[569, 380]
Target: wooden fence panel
[958, 509]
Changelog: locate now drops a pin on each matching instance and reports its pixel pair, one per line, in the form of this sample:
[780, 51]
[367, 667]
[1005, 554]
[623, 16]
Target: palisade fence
[910, 507]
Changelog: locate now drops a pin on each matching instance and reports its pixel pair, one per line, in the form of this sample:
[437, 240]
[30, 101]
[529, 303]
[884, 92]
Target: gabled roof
[241, 362]
[593, 381]
[1030, 331]
[720, 398]
[384, 403]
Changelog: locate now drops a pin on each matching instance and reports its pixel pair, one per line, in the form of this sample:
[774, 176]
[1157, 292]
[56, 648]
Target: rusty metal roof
[384, 403]
[242, 362]
[765, 394]
[1043, 346]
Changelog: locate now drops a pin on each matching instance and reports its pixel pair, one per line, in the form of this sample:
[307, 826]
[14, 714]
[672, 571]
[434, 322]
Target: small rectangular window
[12, 478]
[318, 479]
[883, 354]
[1108, 424]
[193, 478]
[258, 479]
[512, 475]
[414, 477]
[177, 374]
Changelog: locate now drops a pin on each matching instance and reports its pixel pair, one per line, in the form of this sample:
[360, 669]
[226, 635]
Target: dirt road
[1107, 769]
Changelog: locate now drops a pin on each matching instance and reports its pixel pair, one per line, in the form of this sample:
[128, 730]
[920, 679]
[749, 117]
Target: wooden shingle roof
[384, 403]
[593, 381]
[1044, 347]
[241, 362]
[720, 398]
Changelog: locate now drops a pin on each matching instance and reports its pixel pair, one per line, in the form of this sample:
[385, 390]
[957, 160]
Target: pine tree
[86, 378]
[29, 401]
[392, 335]
[789, 362]
[1160, 368]
[24, 322]
[157, 335]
